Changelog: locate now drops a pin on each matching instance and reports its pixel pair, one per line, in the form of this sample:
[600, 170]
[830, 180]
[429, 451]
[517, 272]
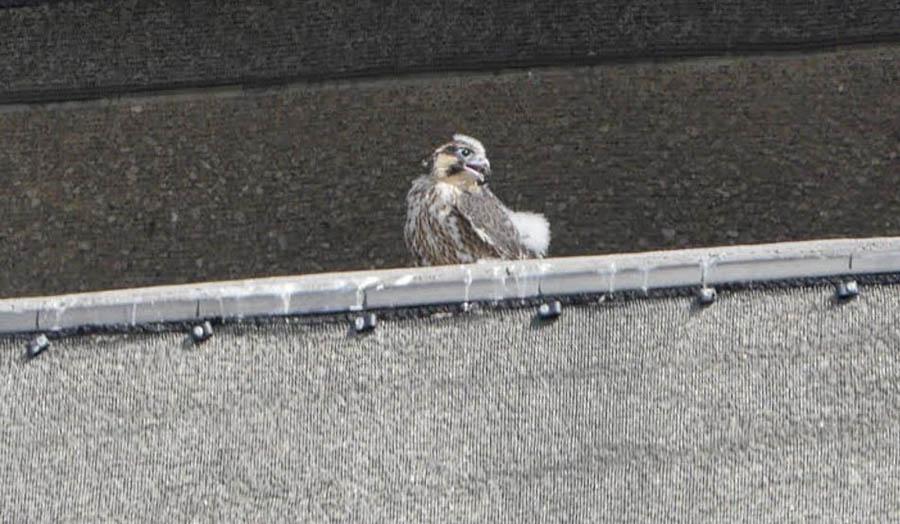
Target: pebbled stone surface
[68, 50]
[311, 178]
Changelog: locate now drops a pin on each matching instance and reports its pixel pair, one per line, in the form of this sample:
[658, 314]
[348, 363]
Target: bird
[453, 217]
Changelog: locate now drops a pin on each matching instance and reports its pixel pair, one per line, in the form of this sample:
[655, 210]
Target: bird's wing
[486, 227]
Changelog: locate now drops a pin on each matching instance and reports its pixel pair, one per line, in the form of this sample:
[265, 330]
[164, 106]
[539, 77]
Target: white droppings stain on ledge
[610, 273]
[361, 286]
[404, 280]
[285, 294]
[468, 282]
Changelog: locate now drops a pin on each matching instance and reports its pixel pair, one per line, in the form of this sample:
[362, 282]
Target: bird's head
[463, 155]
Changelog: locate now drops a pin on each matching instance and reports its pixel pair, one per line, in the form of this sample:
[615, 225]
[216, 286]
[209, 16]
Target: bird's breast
[446, 193]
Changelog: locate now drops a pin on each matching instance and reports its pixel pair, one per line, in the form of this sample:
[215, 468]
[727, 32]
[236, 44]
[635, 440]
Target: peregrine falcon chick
[452, 217]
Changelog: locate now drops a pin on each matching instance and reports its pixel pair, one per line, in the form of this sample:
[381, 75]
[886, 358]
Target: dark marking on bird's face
[453, 158]
[445, 163]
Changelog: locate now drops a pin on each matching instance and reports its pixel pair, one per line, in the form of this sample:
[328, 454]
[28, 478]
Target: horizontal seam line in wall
[51, 96]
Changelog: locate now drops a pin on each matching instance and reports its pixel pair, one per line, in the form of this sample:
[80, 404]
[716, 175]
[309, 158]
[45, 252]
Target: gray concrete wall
[311, 178]
[66, 50]
[772, 404]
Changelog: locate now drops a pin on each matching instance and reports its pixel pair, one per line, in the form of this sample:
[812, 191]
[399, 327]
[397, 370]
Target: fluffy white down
[534, 230]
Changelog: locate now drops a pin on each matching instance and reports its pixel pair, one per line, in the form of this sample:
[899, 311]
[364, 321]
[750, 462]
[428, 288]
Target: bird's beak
[479, 168]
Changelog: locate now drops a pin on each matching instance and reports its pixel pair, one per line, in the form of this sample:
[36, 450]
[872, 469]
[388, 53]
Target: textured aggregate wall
[63, 50]
[310, 178]
[770, 405]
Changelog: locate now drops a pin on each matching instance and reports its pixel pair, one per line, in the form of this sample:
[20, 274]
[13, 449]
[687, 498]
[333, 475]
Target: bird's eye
[465, 151]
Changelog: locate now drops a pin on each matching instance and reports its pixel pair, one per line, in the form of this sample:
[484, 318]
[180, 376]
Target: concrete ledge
[356, 291]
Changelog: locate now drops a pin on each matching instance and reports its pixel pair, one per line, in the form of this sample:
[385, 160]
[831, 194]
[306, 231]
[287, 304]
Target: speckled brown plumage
[453, 217]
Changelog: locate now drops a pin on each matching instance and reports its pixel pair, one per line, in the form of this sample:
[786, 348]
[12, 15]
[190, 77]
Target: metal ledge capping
[484, 281]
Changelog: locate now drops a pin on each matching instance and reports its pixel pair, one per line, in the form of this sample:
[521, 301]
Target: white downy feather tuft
[534, 230]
